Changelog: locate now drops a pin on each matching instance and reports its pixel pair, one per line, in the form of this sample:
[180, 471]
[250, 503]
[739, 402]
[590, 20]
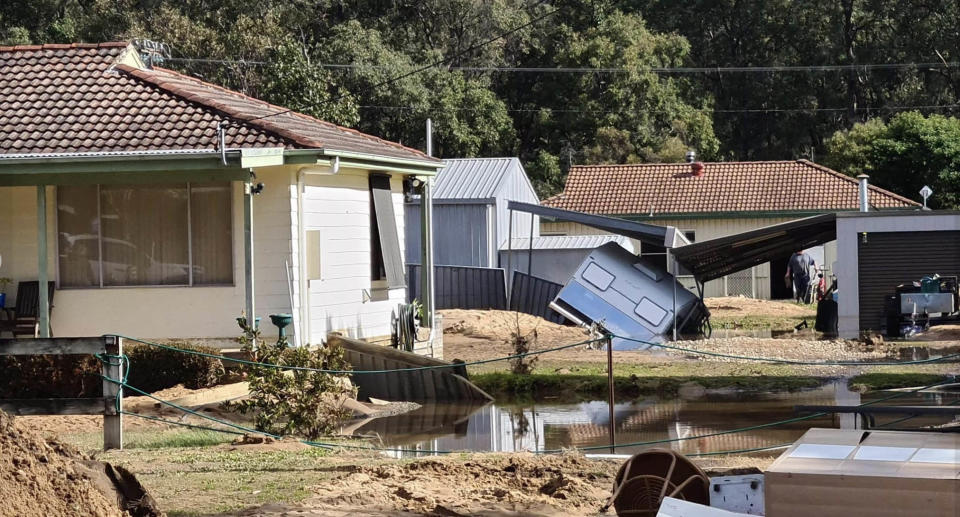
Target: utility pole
[426, 240]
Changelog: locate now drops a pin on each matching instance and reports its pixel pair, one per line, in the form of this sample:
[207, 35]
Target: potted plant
[4, 282]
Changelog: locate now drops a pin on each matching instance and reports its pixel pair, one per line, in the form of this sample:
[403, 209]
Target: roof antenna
[152, 52]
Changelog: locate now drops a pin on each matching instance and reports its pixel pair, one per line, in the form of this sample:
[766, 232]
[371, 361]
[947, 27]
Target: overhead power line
[705, 110]
[604, 70]
[431, 65]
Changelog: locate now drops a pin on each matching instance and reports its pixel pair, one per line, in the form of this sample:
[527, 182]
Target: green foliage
[894, 380]
[297, 84]
[546, 173]
[572, 387]
[50, 376]
[554, 120]
[154, 368]
[306, 403]
[150, 369]
[727, 33]
[903, 155]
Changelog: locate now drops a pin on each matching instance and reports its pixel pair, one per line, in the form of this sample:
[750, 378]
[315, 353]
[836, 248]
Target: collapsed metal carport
[722, 256]
[714, 258]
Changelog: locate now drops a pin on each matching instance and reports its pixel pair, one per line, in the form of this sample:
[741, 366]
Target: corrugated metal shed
[476, 178]
[569, 242]
[471, 220]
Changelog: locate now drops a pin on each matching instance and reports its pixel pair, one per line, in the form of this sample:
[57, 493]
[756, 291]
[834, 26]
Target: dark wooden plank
[65, 406]
[53, 346]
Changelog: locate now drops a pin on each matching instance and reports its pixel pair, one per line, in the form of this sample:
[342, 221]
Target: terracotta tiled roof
[81, 98]
[672, 188]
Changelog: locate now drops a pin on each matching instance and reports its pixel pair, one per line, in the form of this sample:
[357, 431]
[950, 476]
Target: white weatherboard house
[134, 189]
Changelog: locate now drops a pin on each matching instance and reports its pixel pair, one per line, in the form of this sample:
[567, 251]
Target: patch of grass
[579, 386]
[196, 481]
[893, 380]
[754, 322]
[177, 438]
[154, 439]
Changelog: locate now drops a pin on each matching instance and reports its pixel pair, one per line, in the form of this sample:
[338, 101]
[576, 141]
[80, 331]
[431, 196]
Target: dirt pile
[522, 483]
[495, 325]
[734, 306]
[42, 478]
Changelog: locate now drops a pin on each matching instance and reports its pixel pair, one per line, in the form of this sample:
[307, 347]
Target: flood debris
[836, 472]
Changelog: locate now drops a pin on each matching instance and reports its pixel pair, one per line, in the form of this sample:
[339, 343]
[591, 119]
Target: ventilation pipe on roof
[864, 192]
[691, 156]
[222, 137]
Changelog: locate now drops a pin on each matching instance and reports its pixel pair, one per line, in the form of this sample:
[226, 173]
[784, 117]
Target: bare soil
[476, 484]
[40, 477]
[796, 349]
[949, 332]
[54, 425]
[473, 335]
[735, 306]
[499, 326]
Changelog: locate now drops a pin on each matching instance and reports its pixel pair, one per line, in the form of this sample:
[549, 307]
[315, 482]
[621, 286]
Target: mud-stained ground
[273, 481]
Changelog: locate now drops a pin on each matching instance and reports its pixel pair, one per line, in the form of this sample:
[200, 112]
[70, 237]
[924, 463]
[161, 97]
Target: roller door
[888, 259]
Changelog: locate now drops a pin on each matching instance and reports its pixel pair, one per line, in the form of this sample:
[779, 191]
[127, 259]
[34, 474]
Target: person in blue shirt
[798, 269]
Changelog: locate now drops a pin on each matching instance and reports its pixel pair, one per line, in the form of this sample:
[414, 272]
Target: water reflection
[543, 426]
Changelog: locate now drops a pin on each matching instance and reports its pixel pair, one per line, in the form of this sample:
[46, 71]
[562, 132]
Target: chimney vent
[698, 168]
[691, 156]
[864, 192]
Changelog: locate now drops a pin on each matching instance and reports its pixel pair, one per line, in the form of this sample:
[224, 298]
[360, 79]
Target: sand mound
[42, 478]
[515, 483]
[495, 325]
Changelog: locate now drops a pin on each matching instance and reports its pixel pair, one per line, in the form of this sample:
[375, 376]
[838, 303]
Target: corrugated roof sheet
[568, 242]
[473, 178]
[672, 188]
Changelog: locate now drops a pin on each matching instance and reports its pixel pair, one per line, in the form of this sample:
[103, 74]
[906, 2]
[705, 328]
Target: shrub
[50, 376]
[151, 369]
[302, 402]
[154, 368]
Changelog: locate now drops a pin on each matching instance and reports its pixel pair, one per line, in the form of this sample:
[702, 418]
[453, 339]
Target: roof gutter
[368, 161]
[121, 167]
[747, 214]
[101, 156]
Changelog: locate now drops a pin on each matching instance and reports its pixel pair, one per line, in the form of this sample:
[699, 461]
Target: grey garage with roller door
[878, 251]
[888, 259]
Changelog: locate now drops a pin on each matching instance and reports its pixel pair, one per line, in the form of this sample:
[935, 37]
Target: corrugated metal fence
[462, 287]
[532, 295]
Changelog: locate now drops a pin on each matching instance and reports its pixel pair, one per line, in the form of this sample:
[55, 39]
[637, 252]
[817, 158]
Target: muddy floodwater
[509, 427]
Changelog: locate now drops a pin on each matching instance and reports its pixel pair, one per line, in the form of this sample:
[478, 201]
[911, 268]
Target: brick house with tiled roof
[709, 200]
[143, 178]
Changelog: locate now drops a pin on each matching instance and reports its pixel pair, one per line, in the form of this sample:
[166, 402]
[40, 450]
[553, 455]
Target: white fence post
[113, 369]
